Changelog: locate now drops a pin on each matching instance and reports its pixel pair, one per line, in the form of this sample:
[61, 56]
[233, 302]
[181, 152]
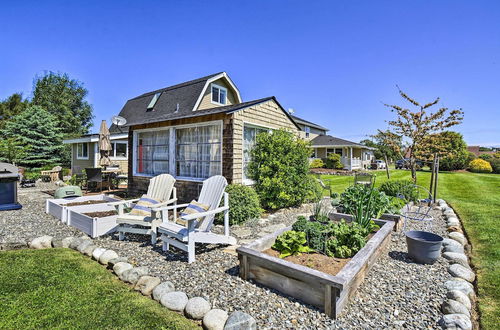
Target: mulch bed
[318, 261]
[101, 214]
[331, 171]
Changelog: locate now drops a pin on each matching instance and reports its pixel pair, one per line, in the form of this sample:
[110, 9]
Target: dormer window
[219, 94]
[308, 131]
[153, 102]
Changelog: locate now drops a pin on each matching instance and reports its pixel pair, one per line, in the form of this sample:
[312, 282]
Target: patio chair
[366, 179]
[51, 175]
[197, 228]
[94, 176]
[161, 188]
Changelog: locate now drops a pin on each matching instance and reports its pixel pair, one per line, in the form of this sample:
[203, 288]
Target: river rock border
[458, 308]
[194, 308]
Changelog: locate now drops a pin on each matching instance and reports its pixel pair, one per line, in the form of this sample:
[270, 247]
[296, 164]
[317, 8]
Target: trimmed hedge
[317, 163]
[244, 204]
[333, 162]
[479, 165]
[400, 187]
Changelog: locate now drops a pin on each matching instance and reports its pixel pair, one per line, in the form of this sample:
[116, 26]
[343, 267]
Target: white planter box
[94, 227]
[57, 208]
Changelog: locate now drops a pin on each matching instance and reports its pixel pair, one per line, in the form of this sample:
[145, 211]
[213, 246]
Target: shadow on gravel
[401, 256]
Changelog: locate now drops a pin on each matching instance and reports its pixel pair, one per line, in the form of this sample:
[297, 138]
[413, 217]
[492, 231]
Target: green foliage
[320, 212]
[12, 150]
[315, 232]
[400, 188]
[317, 163]
[12, 106]
[291, 243]
[452, 149]
[396, 205]
[480, 166]
[486, 157]
[333, 161]
[314, 190]
[495, 165]
[364, 203]
[37, 129]
[32, 175]
[64, 98]
[243, 204]
[279, 167]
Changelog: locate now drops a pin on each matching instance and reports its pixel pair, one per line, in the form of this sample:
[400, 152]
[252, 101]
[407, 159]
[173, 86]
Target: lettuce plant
[291, 243]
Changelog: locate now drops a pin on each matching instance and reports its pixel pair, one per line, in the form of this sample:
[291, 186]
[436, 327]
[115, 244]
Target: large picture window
[119, 149]
[250, 133]
[152, 154]
[82, 151]
[198, 151]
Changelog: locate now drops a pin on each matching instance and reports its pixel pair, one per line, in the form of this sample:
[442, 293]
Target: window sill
[217, 103]
[82, 158]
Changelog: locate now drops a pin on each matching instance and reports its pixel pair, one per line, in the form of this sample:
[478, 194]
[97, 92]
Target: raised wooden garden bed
[85, 218]
[59, 207]
[328, 292]
[396, 218]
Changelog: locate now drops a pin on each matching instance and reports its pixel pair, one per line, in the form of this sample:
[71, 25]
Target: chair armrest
[195, 216]
[123, 202]
[166, 208]
[158, 207]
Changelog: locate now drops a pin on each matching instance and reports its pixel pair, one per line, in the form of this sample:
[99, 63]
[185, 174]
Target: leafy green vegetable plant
[291, 243]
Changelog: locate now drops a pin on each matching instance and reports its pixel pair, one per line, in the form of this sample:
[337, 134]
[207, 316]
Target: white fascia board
[95, 138]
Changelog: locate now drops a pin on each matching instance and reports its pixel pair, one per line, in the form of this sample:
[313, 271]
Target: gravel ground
[397, 293]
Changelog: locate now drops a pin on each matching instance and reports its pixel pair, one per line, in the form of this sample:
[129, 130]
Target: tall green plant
[364, 203]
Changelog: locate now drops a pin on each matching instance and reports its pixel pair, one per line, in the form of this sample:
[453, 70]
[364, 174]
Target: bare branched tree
[416, 128]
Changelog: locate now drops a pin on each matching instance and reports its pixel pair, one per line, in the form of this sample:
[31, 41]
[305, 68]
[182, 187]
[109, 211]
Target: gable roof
[177, 101]
[330, 141]
[308, 123]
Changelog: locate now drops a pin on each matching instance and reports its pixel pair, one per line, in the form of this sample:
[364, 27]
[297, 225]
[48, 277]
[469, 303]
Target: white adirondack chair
[161, 187]
[185, 237]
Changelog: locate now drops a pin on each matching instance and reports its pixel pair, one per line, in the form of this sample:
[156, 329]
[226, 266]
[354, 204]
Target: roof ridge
[183, 84]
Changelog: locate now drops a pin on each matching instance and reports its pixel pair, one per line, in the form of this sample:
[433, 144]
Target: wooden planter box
[94, 227]
[327, 292]
[57, 208]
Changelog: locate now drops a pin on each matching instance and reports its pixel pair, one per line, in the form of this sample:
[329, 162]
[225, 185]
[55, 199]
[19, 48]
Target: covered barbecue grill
[9, 175]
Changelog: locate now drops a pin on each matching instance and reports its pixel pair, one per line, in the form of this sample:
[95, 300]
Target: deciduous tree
[12, 106]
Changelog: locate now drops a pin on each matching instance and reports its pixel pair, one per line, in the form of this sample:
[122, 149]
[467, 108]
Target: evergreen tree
[64, 98]
[12, 106]
[37, 130]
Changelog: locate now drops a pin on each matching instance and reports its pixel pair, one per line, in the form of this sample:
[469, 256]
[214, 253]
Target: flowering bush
[479, 165]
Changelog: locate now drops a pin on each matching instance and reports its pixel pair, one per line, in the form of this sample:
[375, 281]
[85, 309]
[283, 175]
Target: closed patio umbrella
[104, 144]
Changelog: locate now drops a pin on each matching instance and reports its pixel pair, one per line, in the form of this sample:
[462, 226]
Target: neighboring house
[195, 130]
[476, 151]
[85, 153]
[353, 155]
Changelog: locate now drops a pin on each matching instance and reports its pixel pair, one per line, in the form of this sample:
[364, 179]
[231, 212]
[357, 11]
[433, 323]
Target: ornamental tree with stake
[414, 127]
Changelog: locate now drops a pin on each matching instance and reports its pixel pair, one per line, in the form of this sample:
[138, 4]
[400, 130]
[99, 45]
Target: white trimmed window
[250, 133]
[198, 151]
[337, 151]
[82, 151]
[307, 129]
[219, 94]
[119, 150]
[152, 152]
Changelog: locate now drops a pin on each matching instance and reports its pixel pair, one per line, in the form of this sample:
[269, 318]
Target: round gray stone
[67, 241]
[89, 250]
[460, 297]
[455, 321]
[452, 246]
[196, 308]
[215, 319]
[460, 238]
[240, 321]
[133, 275]
[175, 301]
[162, 289]
[456, 258]
[85, 244]
[146, 284]
[114, 261]
[460, 271]
[460, 285]
[454, 307]
[107, 256]
[42, 242]
[75, 242]
[97, 253]
[57, 242]
[121, 267]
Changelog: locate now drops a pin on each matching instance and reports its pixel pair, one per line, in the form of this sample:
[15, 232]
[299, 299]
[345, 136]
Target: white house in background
[354, 156]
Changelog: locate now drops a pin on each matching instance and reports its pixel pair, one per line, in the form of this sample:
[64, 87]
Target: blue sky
[333, 62]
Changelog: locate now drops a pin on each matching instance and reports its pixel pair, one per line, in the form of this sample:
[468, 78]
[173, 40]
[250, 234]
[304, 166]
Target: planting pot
[423, 247]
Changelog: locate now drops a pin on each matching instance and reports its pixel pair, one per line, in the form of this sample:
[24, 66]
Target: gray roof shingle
[299, 120]
[328, 140]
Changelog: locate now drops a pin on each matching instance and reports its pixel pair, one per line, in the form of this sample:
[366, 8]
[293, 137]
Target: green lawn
[61, 289]
[476, 199]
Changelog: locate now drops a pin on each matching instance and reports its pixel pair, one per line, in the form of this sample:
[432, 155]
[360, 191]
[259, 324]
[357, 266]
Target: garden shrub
[358, 197]
[479, 165]
[291, 243]
[457, 161]
[243, 204]
[317, 163]
[495, 165]
[279, 167]
[399, 188]
[314, 190]
[486, 157]
[333, 162]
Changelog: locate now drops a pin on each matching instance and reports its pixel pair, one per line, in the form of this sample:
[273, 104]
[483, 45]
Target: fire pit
[9, 175]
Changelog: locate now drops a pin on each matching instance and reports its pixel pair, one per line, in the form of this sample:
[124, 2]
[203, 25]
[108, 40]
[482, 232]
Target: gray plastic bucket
[423, 247]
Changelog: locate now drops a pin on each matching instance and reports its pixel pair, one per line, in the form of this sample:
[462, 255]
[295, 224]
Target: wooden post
[387, 167]
[436, 179]
[432, 174]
